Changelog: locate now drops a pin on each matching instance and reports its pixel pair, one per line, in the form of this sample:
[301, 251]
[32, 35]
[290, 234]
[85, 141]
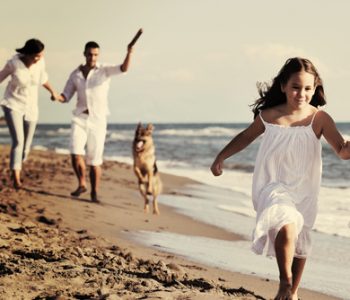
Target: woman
[20, 101]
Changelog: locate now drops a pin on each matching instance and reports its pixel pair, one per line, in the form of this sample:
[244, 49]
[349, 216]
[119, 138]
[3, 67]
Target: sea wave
[240, 166]
[62, 151]
[4, 130]
[58, 131]
[39, 147]
[120, 136]
[346, 137]
[207, 131]
[122, 159]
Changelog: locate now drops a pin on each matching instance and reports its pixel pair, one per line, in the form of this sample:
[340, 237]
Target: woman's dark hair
[32, 46]
[271, 96]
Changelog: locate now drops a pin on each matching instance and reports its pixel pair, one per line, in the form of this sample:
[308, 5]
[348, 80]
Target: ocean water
[188, 150]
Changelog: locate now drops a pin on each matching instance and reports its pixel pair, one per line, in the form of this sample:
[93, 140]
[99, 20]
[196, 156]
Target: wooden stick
[136, 37]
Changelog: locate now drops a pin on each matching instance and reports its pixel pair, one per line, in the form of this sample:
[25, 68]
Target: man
[89, 123]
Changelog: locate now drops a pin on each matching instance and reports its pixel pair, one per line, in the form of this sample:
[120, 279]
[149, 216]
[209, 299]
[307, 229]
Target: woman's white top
[21, 93]
[286, 184]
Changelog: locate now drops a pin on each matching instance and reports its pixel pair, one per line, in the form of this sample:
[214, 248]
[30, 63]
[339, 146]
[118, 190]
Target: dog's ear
[139, 126]
[150, 128]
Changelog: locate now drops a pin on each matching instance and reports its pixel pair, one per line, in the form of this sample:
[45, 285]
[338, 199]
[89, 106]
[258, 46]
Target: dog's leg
[139, 175]
[157, 185]
[146, 206]
[150, 182]
[155, 205]
[142, 188]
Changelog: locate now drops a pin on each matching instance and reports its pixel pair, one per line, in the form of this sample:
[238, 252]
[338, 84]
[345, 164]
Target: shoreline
[48, 180]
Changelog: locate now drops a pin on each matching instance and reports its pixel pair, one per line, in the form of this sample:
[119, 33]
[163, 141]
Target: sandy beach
[54, 246]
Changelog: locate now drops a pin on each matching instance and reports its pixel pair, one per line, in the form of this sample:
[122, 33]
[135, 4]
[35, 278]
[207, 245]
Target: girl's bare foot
[285, 291]
[295, 297]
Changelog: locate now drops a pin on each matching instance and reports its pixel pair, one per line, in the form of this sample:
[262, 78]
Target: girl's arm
[329, 130]
[238, 143]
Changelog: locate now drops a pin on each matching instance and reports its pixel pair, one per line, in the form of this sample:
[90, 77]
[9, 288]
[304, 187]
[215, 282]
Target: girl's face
[299, 89]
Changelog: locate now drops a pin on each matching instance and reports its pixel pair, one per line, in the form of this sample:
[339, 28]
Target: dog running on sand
[145, 166]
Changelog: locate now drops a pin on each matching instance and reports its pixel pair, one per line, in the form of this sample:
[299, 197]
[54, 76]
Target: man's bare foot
[78, 191]
[94, 197]
[285, 291]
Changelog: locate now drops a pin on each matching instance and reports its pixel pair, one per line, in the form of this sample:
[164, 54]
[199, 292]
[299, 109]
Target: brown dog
[145, 166]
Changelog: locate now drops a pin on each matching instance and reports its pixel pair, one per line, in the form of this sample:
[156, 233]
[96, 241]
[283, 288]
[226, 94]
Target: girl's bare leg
[297, 271]
[284, 247]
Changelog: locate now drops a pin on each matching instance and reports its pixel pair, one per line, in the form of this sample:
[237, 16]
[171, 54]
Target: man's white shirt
[92, 92]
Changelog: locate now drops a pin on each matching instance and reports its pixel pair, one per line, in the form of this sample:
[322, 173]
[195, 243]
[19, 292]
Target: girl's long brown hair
[271, 96]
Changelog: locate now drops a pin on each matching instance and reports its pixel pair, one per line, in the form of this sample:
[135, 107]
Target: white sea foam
[59, 131]
[346, 137]
[62, 151]
[166, 166]
[39, 147]
[123, 159]
[334, 211]
[119, 136]
[208, 132]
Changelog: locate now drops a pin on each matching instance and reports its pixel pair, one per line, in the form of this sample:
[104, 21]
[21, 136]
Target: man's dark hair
[91, 44]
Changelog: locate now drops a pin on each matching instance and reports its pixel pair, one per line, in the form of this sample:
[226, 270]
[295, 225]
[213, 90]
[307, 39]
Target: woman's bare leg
[16, 177]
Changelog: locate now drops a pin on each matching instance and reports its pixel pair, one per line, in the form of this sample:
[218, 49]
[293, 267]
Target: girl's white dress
[286, 184]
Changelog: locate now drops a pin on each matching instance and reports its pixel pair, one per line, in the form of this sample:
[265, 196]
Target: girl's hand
[216, 167]
[345, 151]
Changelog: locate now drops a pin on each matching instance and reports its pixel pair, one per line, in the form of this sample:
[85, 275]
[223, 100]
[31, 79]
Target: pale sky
[197, 61]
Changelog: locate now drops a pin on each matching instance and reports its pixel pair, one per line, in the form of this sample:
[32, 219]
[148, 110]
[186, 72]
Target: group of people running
[288, 168]
[90, 81]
